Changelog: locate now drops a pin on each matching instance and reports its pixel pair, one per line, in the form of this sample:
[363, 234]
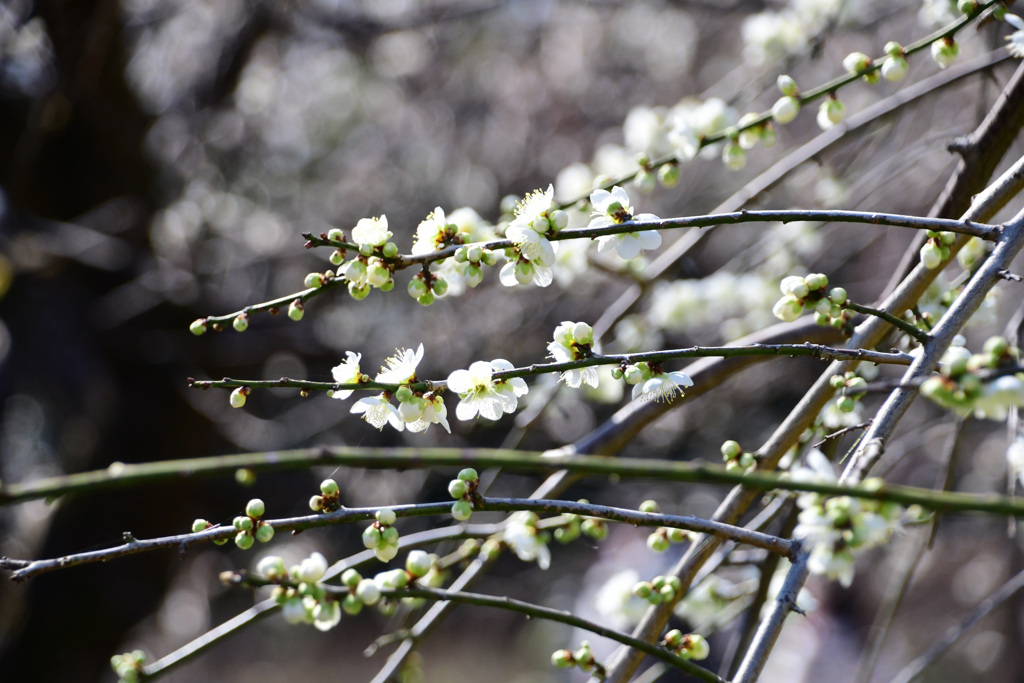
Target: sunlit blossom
[662, 387]
[346, 373]
[372, 231]
[378, 411]
[401, 367]
[524, 540]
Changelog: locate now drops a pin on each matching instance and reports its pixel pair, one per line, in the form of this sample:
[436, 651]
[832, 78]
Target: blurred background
[159, 162]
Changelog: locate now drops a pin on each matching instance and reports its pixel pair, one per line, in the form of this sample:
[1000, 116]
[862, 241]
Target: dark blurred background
[159, 161]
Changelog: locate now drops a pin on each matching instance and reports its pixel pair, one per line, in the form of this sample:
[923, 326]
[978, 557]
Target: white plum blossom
[577, 377]
[523, 272]
[510, 389]
[326, 615]
[346, 373]
[613, 208]
[524, 540]
[477, 392]
[430, 233]
[534, 210]
[401, 367]
[998, 396]
[1015, 41]
[570, 338]
[663, 386]
[836, 529]
[371, 231]
[616, 602]
[531, 244]
[378, 411]
[684, 139]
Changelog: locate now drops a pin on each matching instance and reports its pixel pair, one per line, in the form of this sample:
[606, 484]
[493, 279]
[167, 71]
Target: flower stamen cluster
[533, 254]
[651, 383]
[480, 393]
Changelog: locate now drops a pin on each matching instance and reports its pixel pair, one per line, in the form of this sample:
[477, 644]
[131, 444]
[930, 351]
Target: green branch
[915, 332]
[512, 460]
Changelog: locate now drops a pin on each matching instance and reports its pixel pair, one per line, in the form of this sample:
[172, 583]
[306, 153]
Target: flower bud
[856, 62]
[426, 299]
[785, 109]
[418, 563]
[198, 327]
[316, 504]
[649, 506]
[313, 281]
[335, 235]
[668, 175]
[237, 398]
[371, 537]
[386, 516]
[659, 543]
[931, 255]
[243, 540]
[242, 523]
[241, 322]
[945, 51]
[787, 86]
[255, 508]
[200, 525]
[264, 533]
[368, 591]
[462, 510]
[390, 250]
[894, 68]
[439, 286]
[457, 488]
[296, 310]
[731, 450]
[468, 475]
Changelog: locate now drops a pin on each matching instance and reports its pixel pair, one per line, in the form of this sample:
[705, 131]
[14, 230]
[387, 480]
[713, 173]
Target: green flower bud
[595, 528]
[242, 523]
[846, 404]
[730, 450]
[617, 373]
[457, 488]
[241, 322]
[390, 250]
[562, 659]
[371, 537]
[418, 563]
[468, 475]
[386, 516]
[198, 327]
[659, 543]
[244, 540]
[673, 639]
[200, 525]
[668, 175]
[316, 504]
[313, 281]
[895, 68]
[787, 86]
[296, 310]
[255, 508]
[264, 533]
[237, 398]
[462, 510]
[857, 62]
[389, 536]
[734, 157]
[417, 288]
[351, 605]
[439, 287]
[337, 257]
[358, 293]
[696, 647]
[329, 487]
[649, 506]
[426, 299]
[335, 235]
[642, 589]
[816, 281]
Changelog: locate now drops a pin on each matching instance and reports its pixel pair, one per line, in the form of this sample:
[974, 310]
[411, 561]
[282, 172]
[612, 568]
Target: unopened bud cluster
[810, 293]
[736, 458]
[302, 596]
[688, 646]
[852, 387]
[659, 589]
[250, 527]
[382, 537]
[936, 249]
[463, 490]
[987, 383]
[328, 499]
[471, 260]
[128, 666]
[582, 658]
